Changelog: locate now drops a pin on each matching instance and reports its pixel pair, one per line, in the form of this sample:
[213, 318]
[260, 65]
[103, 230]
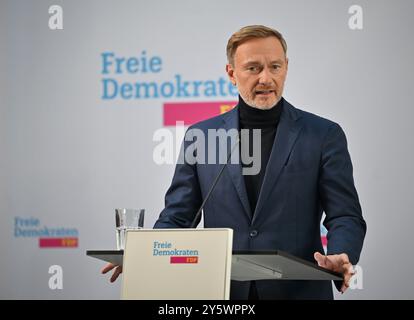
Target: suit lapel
[231, 121]
[286, 135]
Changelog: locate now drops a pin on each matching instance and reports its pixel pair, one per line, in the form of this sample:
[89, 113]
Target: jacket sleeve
[183, 197]
[344, 222]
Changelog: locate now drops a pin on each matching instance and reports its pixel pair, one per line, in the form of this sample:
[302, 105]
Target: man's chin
[261, 103]
[265, 104]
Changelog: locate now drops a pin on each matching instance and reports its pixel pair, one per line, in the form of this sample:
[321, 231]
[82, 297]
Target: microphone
[198, 214]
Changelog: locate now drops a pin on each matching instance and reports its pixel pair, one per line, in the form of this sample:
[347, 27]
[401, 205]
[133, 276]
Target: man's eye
[276, 66]
[253, 69]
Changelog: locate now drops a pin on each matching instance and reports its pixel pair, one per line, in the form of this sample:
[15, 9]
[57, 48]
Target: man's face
[259, 71]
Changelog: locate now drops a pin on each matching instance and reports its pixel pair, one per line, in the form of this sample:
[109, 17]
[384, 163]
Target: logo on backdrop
[48, 237]
[324, 239]
[166, 249]
[138, 78]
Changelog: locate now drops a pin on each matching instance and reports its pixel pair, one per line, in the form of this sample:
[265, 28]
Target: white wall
[68, 157]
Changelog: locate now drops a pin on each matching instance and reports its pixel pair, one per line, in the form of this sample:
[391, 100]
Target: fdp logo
[193, 112]
[48, 237]
[177, 256]
[324, 239]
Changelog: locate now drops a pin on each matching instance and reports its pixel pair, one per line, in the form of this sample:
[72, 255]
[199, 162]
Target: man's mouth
[264, 92]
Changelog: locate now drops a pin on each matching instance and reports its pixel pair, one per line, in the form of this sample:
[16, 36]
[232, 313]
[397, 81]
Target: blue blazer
[309, 172]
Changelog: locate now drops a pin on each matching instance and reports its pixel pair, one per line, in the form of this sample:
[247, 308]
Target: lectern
[179, 264]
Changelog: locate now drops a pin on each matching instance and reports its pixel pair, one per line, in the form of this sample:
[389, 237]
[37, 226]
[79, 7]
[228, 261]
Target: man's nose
[265, 77]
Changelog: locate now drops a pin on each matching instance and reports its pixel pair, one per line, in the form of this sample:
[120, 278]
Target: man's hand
[109, 267]
[338, 263]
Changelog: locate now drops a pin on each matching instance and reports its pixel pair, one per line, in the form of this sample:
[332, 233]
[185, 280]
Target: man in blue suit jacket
[308, 171]
[305, 170]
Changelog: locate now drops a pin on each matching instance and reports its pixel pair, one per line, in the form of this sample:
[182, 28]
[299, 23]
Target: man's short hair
[251, 32]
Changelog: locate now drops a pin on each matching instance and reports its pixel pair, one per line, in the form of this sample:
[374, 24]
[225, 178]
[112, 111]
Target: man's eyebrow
[277, 61]
[251, 62]
[255, 62]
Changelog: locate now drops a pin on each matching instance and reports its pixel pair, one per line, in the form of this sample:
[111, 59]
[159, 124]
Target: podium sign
[177, 264]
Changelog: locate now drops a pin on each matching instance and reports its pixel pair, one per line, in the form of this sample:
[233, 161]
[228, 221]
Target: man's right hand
[109, 267]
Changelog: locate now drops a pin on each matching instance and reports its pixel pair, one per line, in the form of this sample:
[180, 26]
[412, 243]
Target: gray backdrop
[69, 157]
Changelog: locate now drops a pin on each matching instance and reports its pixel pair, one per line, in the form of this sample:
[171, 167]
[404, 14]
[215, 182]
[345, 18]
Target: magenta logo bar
[183, 259]
[192, 112]
[58, 242]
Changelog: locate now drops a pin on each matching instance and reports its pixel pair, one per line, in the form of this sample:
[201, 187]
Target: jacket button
[253, 233]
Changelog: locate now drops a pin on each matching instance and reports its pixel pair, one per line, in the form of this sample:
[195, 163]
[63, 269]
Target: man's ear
[230, 73]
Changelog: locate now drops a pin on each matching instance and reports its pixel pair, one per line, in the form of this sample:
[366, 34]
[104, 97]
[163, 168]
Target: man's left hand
[338, 263]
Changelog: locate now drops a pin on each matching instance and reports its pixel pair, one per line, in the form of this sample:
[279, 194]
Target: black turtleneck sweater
[267, 121]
